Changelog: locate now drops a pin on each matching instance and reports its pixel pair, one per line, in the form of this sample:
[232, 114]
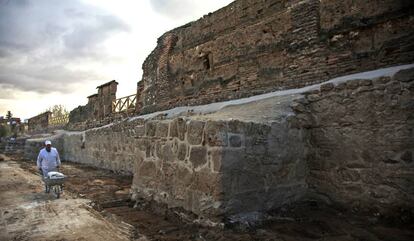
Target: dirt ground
[27, 213]
[96, 206]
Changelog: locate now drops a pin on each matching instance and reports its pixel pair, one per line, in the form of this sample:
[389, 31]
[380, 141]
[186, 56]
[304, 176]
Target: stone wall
[219, 168]
[361, 136]
[209, 167]
[256, 46]
[110, 148]
[34, 145]
[80, 114]
[40, 122]
[348, 143]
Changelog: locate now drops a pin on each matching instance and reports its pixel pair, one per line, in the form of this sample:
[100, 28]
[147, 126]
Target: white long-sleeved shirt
[48, 161]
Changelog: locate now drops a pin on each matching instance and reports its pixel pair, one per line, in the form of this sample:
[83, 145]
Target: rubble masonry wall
[361, 141]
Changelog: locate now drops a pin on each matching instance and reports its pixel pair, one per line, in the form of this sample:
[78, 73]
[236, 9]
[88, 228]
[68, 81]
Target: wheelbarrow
[54, 181]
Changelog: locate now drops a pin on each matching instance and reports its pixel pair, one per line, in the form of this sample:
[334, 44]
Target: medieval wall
[256, 46]
[361, 136]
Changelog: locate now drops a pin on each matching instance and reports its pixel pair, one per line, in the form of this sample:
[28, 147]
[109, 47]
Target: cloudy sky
[58, 51]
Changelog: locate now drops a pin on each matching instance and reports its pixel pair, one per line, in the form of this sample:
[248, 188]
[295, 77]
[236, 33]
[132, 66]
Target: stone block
[150, 150]
[150, 128]
[162, 129]
[232, 159]
[178, 128]
[164, 152]
[141, 144]
[184, 176]
[215, 157]
[407, 157]
[352, 84]
[257, 129]
[256, 146]
[207, 182]
[174, 146]
[195, 132]
[147, 169]
[138, 122]
[340, 86]
[405, 75]
[313, 92]
[215, 133]
[393, 88]
[313, 97]
[410, 86]
[235, 140]
[381, 80]
[298, 107]
[365, 82]
[327, 87]
[236, 126]
[362, 89]
[198, 156]
[182, 151]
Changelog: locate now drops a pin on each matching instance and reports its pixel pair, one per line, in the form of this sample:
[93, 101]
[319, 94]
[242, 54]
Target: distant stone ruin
[39, 122]
[99, 105]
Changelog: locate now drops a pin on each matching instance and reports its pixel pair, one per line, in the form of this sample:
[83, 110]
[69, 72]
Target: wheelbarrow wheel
[56, 190]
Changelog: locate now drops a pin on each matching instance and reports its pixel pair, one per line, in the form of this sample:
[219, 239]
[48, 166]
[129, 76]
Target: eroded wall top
[257, 46]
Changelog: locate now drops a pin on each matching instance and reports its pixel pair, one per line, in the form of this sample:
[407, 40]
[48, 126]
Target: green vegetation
[58, 110]
[5, 130]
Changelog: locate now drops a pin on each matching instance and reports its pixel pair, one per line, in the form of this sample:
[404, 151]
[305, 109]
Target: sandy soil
[27, 213]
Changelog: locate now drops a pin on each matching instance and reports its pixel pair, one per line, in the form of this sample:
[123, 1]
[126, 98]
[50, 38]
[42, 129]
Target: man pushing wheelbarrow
[48, 163]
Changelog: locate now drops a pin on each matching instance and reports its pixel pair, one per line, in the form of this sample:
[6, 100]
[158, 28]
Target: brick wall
[256, 46]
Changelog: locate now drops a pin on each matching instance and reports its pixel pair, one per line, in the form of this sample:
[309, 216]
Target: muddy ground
[96, 206]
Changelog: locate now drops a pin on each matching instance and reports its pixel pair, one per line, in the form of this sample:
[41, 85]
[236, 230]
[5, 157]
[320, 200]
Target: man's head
[48, 145]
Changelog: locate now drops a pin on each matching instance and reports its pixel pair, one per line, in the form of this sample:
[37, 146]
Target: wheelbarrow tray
[54, 181]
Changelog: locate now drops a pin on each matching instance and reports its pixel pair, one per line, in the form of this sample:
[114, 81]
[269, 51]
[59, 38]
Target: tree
[58, 110]
[9, 115]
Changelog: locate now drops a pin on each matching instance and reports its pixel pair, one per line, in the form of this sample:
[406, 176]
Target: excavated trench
[109, 195]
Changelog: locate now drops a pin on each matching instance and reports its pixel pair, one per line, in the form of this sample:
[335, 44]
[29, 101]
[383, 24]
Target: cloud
[42, 42]
[173, 8]
[87, 35]
[45, 79]
[186, 9]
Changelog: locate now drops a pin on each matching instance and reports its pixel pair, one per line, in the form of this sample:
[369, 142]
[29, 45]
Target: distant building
[13, 120]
